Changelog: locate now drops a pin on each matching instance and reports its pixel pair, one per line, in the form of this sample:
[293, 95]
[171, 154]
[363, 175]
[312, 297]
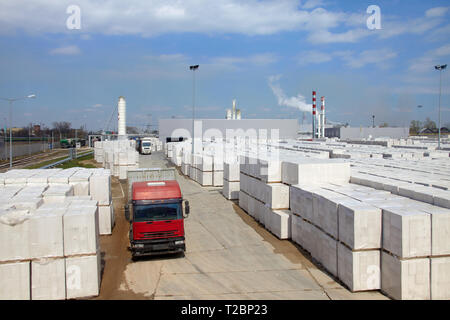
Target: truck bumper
[156, 247]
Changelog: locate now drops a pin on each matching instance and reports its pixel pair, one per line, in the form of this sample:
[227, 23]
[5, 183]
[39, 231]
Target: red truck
[157, 220]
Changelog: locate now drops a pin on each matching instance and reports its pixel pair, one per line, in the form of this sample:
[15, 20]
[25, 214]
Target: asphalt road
[228, 256]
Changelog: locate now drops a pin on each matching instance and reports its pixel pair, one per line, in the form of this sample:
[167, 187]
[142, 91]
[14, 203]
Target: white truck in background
[146, 146]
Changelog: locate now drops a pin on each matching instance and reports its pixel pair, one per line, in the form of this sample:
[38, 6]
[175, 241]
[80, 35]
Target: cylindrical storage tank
[122, 108]
[238, 114]
[228, 114]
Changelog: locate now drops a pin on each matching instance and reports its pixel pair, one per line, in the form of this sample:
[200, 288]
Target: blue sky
[269, 55]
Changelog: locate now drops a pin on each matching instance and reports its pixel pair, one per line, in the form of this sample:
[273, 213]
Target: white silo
[228, 114]
[122, 109]
[238, 114]
[233, 116]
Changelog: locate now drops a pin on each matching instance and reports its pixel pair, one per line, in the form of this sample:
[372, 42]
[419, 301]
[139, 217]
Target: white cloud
[431, 58]
[310, 4]
[67, 50]
[313, 57]
[297, 102]
[436, 12]
[149, 18]
[379, 58]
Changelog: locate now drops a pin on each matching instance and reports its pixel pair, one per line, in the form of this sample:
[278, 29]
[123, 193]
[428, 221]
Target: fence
[24, 149]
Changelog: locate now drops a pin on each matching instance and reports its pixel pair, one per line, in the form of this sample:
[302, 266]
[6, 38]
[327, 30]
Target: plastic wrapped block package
[106, 219]
[15, 278]
[48, 279]
[359, 270]
[57, 193]
[440, 278]
[231, 189]
[81, 231]
[100, 187]
[359, 225]
[231, 171]
[46, 233]
[83, 276]
[407, 232]
[14, 235]
[405, 279]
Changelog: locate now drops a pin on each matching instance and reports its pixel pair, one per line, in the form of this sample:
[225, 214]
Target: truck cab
[157, 219]
[146, 146]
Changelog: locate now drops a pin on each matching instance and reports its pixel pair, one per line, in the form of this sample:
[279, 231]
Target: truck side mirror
[187, 209]
[127, 212]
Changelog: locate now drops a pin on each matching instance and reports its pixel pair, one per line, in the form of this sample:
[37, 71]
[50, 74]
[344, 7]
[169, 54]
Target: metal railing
[72, 155]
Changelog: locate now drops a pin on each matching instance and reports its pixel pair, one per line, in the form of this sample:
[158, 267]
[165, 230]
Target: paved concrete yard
[228, 256]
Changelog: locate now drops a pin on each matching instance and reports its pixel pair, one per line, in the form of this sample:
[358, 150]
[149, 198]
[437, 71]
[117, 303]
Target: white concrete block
[46, 233]
[83, 276]
[231, 171]
[48, 279]
[307, 236]
[15, 281]
[57, 193]
[14, 235]
[301, 201]
[440, 230]
[326, 251]
[105, 219]
[359, 225]
[81, 231]
[440, 278]
[231, 189]
[407, 232]
[205, 178]
[218, 178]
[269, 170]
[359, 270]
[100, 188]
[405, 279]
[27, 203]
[317, 171]
[279, 222]
[325, 210]
[277, 195]
[243, 201]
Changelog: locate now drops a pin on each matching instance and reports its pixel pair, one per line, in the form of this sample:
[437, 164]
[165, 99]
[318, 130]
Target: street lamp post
[11, 100]
[440, 68]
[193, 68]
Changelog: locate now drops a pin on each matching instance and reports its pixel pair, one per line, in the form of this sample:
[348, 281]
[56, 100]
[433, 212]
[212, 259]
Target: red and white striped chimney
[314, 115]
[322, 117]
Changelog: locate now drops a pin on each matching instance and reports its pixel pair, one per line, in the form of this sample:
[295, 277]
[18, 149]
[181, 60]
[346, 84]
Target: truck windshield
[157, 212]
[146, 144]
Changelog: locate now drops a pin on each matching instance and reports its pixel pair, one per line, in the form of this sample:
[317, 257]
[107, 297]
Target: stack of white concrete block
[119, 156]
[201, 169]
[263, 196]
[57, 184]
[51, 250]
[100, 191]
[231, 178]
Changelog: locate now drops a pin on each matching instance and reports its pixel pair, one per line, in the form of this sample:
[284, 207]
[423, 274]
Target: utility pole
[440, 68]
[193, 68]
[373, 121]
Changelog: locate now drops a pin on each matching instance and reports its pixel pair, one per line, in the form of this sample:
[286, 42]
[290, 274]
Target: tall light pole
[193, 68]
[11, 100]
[440, 68]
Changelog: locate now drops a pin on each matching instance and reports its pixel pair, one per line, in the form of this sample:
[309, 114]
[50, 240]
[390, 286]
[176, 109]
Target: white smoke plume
[298, 102]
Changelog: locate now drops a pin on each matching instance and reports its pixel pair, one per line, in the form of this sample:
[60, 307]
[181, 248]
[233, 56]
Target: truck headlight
[179, 242]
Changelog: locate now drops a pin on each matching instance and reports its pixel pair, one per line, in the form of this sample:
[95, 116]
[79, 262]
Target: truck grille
[159, 234]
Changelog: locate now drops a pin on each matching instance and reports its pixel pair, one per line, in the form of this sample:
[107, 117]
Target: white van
[146, 146]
